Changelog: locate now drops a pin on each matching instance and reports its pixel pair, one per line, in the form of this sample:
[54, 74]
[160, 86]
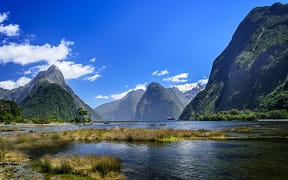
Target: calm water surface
[198, 159]
[210, 125]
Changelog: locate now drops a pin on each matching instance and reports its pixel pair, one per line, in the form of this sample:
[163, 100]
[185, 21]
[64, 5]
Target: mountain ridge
[253, 64]
[48, 80]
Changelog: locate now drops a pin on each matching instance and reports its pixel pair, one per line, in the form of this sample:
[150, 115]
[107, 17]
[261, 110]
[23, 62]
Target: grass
[91, 166]
[12, 157]
[139, 134]
[239, 130]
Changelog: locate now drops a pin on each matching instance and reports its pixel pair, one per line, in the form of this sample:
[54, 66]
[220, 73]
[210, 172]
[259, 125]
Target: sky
[106, 48]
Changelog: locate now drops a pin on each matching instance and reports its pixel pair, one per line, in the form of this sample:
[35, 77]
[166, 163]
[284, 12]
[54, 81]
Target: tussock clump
[91, 166]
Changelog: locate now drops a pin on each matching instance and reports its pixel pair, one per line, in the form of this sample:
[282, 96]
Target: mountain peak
[154, 85]
[53, 68]
[52, 75]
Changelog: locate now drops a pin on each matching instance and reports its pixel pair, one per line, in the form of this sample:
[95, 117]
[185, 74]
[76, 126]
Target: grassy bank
[139, 134]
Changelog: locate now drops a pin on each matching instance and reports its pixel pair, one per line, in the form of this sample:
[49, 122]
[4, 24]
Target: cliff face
[253, 65]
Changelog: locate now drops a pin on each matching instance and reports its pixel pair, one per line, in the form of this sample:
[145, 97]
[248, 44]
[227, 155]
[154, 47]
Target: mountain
[188, 91]
[48, 95]
[49, 100]
[3, 93]
[123, 109]
[159, 103]
[252, 70]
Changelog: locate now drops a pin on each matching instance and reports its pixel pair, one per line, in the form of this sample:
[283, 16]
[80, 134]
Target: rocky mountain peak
[52, 75]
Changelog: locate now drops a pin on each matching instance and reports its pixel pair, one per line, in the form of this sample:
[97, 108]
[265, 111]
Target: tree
[82, 115]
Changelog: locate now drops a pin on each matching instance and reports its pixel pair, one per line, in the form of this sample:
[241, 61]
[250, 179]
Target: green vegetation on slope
[246, 115]
[9, 111]
[49, 100]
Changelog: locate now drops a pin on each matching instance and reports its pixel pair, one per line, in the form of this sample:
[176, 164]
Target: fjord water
[209, 125]
[197, 159]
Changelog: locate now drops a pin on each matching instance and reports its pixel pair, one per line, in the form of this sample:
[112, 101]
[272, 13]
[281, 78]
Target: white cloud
[122, 94]
[26, 54]
[71, 70]
[46, 54]
[160, 73]
[92, 60]
[9, 84]
[10, 29]
[102, 97]
[94, 77]
[189, 86]
[180, 78]
[3, 17]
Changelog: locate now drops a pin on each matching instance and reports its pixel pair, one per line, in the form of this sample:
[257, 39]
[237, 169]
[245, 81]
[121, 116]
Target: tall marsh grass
[91, 166]
[140, 134]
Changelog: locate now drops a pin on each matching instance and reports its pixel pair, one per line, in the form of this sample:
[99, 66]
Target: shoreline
[272, 120]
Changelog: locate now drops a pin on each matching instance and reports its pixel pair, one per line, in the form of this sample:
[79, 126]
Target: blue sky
[106, 48]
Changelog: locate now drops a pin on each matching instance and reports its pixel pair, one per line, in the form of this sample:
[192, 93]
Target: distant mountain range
[156, 103]
[47, 95]
[121, 110]
[252, 72]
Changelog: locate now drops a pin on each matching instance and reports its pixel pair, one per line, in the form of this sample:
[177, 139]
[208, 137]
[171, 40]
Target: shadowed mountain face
[253, 67]
[48, 95]
[121, 110]
[159, 103]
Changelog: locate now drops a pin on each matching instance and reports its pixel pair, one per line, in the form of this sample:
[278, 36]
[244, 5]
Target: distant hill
[48, 95]
[159, 103]
[252, 72]
[121, 110]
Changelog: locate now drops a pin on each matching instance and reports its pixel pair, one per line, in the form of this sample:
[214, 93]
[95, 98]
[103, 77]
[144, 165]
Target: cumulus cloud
[9, 84]
[26, 53]
[94, 77]
[102, 97]
[72, 70]
[3, 17]
[10, 29]
[160, 73]
[180, 78]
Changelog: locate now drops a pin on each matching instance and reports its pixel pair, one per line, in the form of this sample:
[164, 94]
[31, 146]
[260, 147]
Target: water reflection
[201, 159]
